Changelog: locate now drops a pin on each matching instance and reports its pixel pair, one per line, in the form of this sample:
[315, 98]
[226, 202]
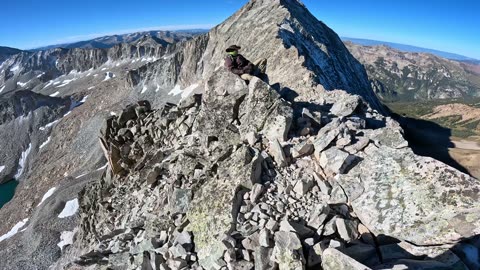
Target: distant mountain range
[107, 42]
[6, 52]
[399, 75]
[409, 48]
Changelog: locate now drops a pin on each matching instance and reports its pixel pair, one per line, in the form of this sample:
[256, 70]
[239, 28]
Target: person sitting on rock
[239, 65]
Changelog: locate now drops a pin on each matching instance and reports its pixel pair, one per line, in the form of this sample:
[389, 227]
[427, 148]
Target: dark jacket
[238, 64]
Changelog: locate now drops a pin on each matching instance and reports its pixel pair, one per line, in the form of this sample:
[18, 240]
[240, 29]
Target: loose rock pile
[238, 178]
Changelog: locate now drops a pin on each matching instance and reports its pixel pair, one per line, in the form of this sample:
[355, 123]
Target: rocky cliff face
[24, 116]
[6, 52]
[406, 76]
[235, 175]
[27, 69]
[303, 54]
[218, 181]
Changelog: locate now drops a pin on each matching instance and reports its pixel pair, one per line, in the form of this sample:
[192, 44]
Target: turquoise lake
[7, 190]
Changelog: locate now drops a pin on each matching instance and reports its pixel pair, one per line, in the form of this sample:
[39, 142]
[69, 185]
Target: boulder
[324, 140]
[416, 199]
[275, 122]
[346, 106]
[302, 186]
[288, 253]
[318, 216]
[347, 229]
[213, 210]
[291, 226]
[302, 149]
[334, 259]
[276, 150]
[336, 161]
[262, 258]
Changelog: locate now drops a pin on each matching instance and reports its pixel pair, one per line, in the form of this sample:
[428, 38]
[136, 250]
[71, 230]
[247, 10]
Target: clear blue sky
[447, 25]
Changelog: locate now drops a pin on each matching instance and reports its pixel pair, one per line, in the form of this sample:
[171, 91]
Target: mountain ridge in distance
[411, 48]
[108, 41]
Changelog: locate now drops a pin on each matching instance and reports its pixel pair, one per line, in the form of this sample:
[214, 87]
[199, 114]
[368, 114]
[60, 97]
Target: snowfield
[70, 209]
[15, 68]
[47, 195]
[55, 94]
[175, 91]
[185, 92]
[14, 230]
[22, 161]
[66, 239]
[2, 168]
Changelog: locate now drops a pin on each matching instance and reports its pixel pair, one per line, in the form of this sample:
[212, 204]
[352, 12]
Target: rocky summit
[299, 169]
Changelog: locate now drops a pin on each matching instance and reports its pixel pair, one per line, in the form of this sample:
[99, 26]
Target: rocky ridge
[213, 184]
[41, 66]
[205, 157]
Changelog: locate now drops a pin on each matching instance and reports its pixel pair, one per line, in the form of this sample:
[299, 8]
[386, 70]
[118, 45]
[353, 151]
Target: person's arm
[230, 65]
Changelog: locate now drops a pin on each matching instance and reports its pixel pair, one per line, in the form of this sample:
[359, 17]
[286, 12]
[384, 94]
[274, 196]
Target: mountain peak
[302, 52]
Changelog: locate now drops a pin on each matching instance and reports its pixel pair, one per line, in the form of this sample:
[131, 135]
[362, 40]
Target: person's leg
[246, 77]
[261, 65]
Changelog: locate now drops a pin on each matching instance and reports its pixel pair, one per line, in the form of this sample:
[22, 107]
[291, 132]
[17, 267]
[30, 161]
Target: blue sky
[446, 25]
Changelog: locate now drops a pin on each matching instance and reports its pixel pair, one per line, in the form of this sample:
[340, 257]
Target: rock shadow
[427, 138]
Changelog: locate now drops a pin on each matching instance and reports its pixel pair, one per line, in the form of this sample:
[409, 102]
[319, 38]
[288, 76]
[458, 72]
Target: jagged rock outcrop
[194, 170]
[416, 199]
[303, 54]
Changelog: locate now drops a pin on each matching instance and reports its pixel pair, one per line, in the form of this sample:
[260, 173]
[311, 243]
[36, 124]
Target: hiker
[239, 65]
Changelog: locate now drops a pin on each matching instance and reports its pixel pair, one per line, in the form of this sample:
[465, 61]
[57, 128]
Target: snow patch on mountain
[15, 68]
[177, 90]
[55, 94]
[14, 230]
[45, 143]
[71, 207]
[48, 84]
[84, 99]
[22, 162]
[66, 238]
[109, 75]
[103, 167]
[2, 168]
[1, 89]
[22, 84]
[81, 175]
[49, 125]
[47, 195]
[66, 82]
